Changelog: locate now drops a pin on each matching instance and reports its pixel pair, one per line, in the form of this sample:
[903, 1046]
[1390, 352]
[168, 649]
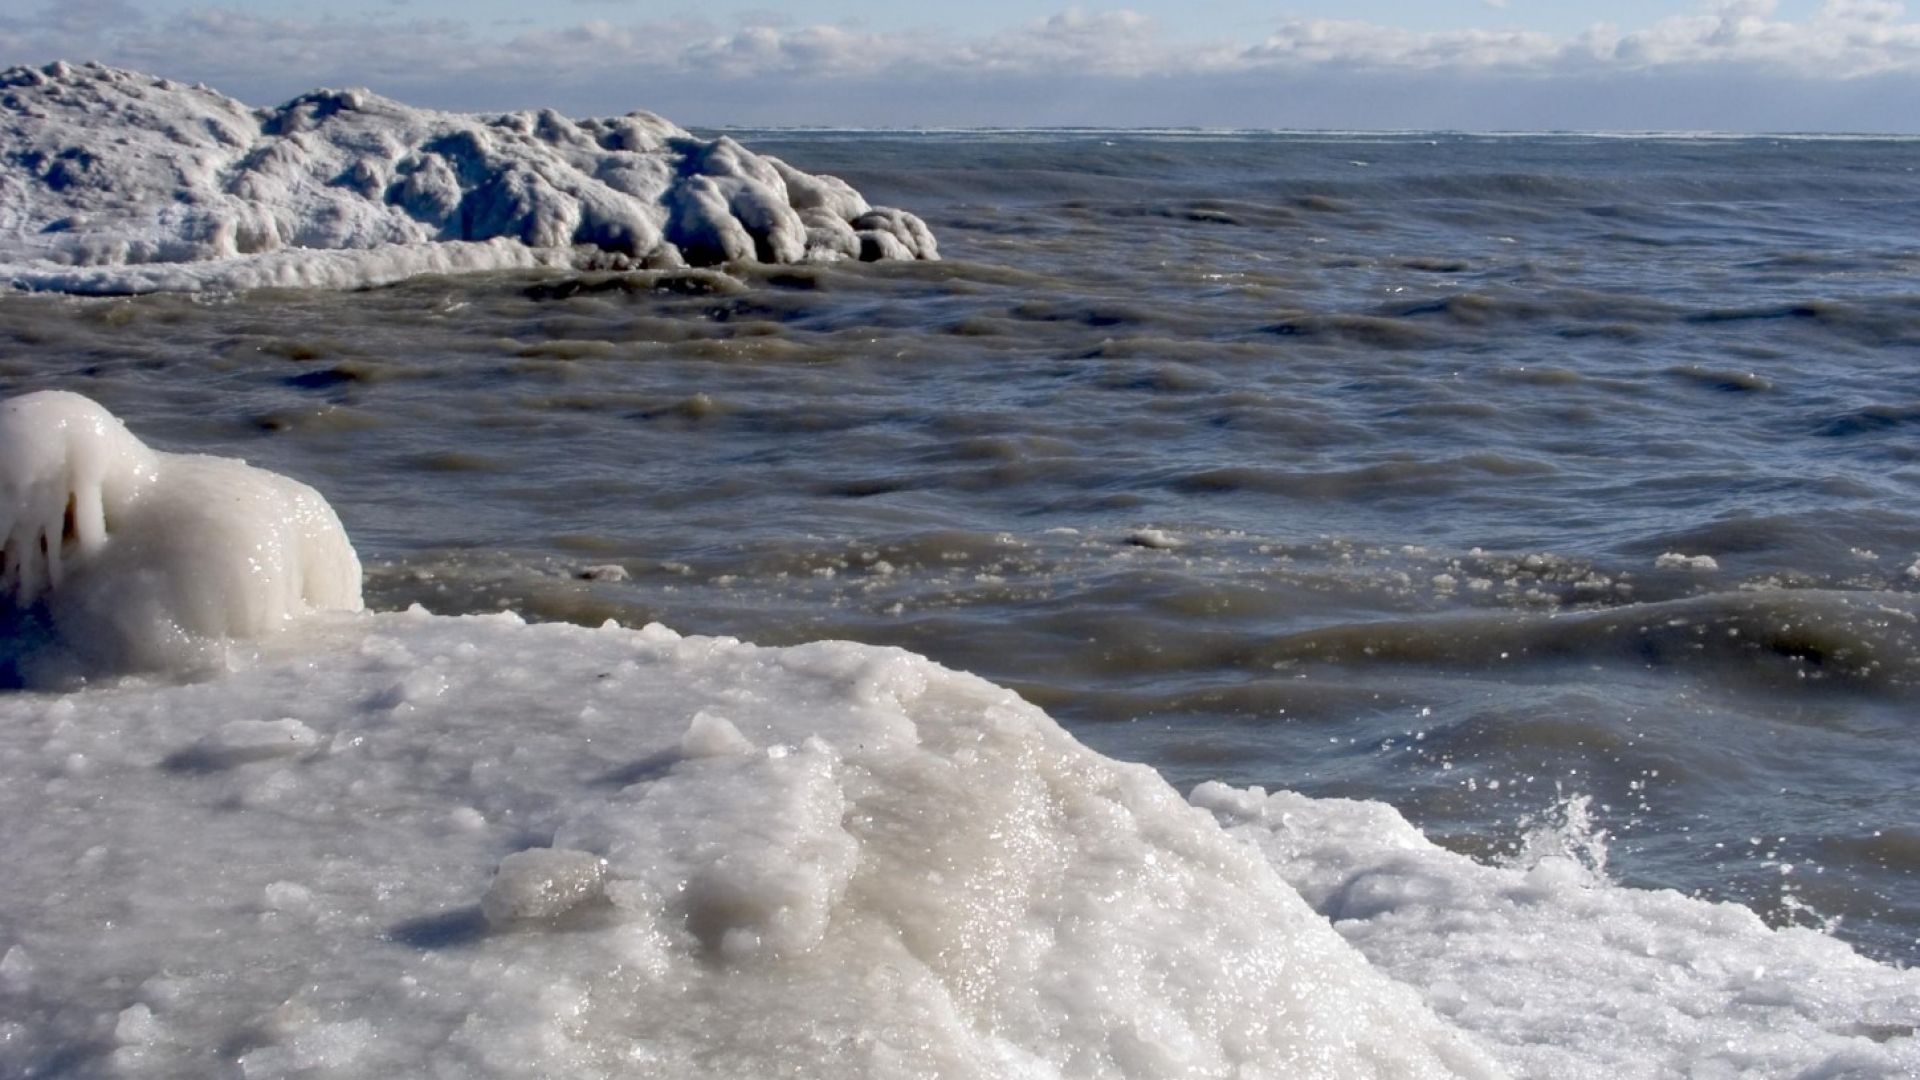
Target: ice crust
[116, 557]
[627, 853]
[116, 182]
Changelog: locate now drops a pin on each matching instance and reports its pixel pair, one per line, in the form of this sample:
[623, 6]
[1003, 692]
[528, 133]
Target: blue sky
[1738, 65]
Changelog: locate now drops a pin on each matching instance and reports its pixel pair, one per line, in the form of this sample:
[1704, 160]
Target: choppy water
[1339, 463]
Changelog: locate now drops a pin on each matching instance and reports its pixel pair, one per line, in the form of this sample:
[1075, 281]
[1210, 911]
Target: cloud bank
[1734, 64]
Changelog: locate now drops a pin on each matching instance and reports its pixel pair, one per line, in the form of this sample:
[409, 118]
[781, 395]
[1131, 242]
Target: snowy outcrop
[117, 557]
[114, 181]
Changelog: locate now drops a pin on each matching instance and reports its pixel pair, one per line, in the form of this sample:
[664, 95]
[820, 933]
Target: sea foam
[118, 182]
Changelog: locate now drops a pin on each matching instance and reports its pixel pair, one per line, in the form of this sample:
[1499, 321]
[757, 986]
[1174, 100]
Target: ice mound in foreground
[113, 182]
[117, 557]
[472, 847]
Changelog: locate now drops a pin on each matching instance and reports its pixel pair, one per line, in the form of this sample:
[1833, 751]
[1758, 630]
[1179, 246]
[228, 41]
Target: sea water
[1504, 480]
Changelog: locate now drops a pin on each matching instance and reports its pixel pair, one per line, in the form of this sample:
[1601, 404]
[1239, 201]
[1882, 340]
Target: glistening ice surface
[437, 847]
[471, 847]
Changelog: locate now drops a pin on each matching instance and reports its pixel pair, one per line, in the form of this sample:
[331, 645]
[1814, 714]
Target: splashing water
[1563, 839]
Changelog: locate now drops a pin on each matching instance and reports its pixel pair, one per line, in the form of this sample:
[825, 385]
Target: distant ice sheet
[114, 182]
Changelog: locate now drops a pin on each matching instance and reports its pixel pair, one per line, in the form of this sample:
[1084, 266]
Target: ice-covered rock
[114, 556]
[113, 181]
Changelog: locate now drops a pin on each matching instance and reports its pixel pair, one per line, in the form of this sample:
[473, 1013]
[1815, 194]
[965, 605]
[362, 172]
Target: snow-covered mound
[423, 846]
[114, 181]
[114, 556]
[471, 847]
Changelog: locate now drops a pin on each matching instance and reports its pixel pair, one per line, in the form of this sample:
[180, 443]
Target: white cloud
[1351, 44]
[1842, 39]
[609, 62]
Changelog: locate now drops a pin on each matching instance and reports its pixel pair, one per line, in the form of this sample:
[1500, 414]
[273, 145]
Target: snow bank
[116, 557]
[118, 182]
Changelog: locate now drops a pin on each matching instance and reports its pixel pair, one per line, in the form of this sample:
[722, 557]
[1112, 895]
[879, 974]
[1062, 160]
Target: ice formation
[474, 847]
[115, 557]
[405, 845]
[113, 181]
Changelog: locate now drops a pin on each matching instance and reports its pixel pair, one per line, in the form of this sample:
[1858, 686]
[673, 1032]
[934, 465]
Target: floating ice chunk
[1156, 539]
[118, 182]
[119, 557]
[1673, 560]
[543, 883]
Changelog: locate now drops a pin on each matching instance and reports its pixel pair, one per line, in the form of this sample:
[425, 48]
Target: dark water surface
[1339, 463]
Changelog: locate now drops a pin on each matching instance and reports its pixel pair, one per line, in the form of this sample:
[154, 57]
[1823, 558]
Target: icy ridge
[113, 181]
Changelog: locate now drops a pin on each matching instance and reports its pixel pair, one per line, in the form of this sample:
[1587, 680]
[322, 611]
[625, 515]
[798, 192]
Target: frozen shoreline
[119, 182]
[832, 857]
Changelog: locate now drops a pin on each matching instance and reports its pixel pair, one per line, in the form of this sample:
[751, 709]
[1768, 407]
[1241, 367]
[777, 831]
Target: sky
[1628, 65]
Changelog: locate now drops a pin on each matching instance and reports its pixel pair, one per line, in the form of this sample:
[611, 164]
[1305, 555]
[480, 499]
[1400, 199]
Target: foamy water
[1481, 478]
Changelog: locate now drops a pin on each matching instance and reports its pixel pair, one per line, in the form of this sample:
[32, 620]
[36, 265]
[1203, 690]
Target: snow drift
[113, 181]
[117, 557]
